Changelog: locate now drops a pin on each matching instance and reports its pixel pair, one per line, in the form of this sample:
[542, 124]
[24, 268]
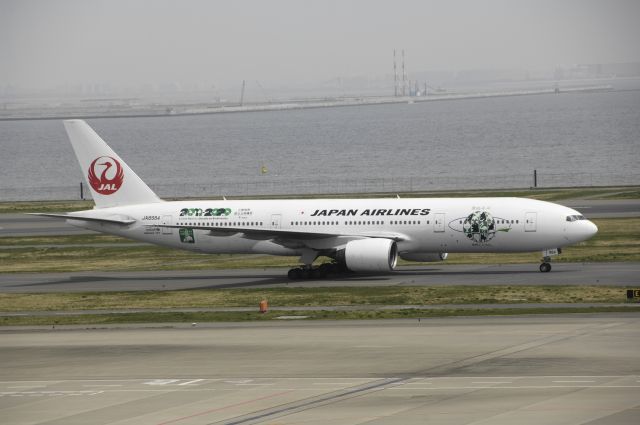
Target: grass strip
[311, 297]
[617, 240]
[545, 194]
[16, 241]
[203, 317]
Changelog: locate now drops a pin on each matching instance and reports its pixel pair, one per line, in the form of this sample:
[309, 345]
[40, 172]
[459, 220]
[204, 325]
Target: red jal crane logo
[110, 179]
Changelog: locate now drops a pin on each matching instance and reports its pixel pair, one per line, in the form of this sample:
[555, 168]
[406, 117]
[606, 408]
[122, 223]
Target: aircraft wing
[282, 234]
[110, 220]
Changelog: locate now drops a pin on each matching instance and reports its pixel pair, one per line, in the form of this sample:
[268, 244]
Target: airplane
[358, 235]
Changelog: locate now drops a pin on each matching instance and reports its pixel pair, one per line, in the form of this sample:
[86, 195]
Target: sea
[577, 139]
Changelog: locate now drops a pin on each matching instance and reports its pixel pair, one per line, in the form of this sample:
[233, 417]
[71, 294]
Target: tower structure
[395, 74]
[404, 76]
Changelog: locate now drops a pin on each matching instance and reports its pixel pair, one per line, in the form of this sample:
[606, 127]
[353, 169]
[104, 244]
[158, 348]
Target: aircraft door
[167, 220]
[275, 221]
[438, 222]
[530, 220]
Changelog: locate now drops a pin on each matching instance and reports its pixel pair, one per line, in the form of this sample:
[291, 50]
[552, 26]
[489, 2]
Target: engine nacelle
[425, 257]
[371, 255]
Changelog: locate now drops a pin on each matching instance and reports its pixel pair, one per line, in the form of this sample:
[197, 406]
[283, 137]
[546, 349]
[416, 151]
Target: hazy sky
[47, 43]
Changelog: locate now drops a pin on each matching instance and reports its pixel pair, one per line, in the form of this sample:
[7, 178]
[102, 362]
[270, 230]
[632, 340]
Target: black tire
[309, 274]
[545, 267]
[294, 274]
[323, 270]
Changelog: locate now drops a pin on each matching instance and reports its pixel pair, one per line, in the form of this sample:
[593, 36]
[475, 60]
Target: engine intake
[371, 255]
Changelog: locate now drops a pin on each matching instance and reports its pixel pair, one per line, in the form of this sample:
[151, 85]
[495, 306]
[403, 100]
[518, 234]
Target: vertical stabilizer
[111, 181]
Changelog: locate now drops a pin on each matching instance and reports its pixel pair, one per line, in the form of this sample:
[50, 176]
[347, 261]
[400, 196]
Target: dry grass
[289, 297]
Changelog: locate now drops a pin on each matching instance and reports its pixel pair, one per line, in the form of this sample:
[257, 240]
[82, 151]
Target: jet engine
[371, 255]
[425, 257]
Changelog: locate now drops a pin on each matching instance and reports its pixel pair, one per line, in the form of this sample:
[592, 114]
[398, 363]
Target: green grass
[617, 240]
[62, 240]
[547, 194]
[180, 317]
[44, 206]
[126, 258]
[311, 297]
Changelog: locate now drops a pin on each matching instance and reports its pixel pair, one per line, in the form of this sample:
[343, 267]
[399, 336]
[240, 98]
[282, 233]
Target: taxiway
[499, 370]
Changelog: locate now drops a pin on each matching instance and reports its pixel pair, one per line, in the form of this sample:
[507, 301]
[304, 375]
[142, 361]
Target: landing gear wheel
[295, 274]
[545, 267]
[308, 273]
[323, 270]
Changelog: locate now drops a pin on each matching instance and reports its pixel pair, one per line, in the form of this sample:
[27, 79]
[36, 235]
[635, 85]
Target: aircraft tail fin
[111, 181]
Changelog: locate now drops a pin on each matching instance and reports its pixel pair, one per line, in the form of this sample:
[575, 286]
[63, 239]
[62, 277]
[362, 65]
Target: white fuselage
[419, 225]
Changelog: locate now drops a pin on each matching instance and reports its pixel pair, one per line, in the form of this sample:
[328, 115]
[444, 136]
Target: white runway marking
[521, 387]
[102, 385]
[162, 381]
[572, 382]
[333, 383]
[491, 382]
[191, 382]
[26, 386]
[48, 393]
[256, 384]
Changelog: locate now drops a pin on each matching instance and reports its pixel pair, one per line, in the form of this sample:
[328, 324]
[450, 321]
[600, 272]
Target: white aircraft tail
[111, 181]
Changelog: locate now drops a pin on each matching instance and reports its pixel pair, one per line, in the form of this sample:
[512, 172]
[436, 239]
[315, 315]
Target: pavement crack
[449, 369]
[312, 402]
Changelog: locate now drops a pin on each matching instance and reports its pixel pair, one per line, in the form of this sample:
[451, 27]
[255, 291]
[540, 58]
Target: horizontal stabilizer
[123, 222]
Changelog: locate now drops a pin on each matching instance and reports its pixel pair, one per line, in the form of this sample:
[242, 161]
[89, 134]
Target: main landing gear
[320, 272]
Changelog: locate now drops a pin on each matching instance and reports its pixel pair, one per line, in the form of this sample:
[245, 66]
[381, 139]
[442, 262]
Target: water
[571, 139]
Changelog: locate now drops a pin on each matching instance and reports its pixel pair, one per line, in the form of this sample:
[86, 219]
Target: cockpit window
[575, 217]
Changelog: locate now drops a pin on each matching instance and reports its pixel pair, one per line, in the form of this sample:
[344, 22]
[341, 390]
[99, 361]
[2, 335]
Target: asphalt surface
[554, 369]
[618, 208]
[514, 274]
[26, 225]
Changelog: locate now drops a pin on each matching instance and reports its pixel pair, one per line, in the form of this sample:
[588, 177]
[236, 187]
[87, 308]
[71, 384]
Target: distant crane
[242, 93]
[264, 92]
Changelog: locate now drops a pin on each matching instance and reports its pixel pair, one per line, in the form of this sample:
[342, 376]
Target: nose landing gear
[545, 267]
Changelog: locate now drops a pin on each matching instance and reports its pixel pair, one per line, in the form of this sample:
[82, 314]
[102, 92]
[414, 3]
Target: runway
[617, 274]
[28, 225]
[499, 370]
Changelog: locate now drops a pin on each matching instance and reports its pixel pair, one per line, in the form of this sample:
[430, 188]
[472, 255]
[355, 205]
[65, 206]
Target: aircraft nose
[585, 230]
[592, 229]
